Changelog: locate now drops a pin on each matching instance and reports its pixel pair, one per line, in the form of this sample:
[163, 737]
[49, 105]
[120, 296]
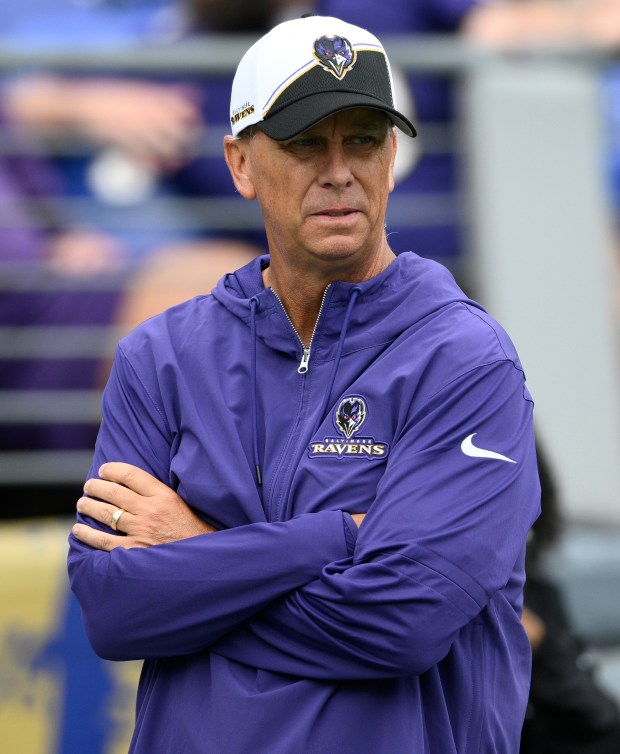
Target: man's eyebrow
[373, 125]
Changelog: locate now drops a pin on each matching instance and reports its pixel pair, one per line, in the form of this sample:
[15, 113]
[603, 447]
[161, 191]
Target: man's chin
[336, 256]
[341, 247]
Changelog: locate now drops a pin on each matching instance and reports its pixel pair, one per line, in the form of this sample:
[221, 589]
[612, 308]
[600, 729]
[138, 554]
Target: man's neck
[302, 301]
[301, 293]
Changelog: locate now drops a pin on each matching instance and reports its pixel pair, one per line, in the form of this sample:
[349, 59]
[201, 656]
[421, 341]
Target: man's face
[324, 192]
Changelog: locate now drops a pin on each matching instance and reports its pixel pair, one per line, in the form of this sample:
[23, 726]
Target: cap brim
[299, 116]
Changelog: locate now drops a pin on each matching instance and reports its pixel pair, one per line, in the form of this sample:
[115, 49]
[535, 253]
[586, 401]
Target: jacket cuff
[350, 532]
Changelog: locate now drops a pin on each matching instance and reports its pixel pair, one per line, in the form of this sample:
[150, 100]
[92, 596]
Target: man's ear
[393, 159]
[236, 153]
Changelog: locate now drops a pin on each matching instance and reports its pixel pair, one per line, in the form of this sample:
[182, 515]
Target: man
[319, 479]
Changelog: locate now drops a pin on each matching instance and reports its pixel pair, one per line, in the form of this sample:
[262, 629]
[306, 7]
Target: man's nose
[335, 168]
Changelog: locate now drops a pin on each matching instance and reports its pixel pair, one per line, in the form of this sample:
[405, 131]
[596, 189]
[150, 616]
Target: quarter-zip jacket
[289, 631]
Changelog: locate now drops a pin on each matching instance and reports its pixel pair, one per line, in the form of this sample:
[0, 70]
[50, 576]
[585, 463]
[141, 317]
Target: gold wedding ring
[115, 518]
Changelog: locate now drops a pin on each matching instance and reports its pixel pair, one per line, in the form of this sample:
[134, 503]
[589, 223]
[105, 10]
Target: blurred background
[115, 203]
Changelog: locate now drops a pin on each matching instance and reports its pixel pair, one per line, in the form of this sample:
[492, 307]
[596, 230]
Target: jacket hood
[405, 292]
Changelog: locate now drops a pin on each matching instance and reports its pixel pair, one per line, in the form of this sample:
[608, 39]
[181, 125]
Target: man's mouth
[336, 212]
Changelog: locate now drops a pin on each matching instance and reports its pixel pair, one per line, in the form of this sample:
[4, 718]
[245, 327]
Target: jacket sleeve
[179, 598]
[445, 533]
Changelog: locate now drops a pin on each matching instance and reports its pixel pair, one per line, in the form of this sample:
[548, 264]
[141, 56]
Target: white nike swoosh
[470, 449]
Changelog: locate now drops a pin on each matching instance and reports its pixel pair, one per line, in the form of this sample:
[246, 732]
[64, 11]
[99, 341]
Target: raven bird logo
[335, 54]
[350, 415]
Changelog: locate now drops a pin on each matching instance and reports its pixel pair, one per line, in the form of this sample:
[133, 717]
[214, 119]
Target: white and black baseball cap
[307, 69]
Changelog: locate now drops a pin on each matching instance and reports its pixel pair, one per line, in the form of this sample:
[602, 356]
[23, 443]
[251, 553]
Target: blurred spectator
[126, 141]
[514, 24]
[135, 133]
[569, 712]
[143, 136]
[142, 133]
[34, 234]
[120, 136]
[32, 229]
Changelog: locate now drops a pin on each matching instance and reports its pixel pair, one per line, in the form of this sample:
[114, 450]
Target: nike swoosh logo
[468, 447]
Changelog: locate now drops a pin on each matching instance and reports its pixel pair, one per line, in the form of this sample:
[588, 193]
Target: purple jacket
[289, 631]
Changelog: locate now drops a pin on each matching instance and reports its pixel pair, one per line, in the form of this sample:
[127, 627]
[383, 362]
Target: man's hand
[153, 513]
[534, 628]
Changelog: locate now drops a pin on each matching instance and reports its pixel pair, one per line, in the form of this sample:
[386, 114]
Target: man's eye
[362, 140]
[308, 142]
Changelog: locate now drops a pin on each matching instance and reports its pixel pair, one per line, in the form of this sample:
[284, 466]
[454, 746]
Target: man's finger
[115, 494]
[100, 540]
[132, 477]
[104, 513]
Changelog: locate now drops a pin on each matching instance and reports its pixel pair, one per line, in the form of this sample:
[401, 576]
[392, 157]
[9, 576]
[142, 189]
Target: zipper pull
[305, 360]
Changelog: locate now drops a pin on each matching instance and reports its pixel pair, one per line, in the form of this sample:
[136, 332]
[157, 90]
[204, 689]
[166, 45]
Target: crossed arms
[313, 596]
